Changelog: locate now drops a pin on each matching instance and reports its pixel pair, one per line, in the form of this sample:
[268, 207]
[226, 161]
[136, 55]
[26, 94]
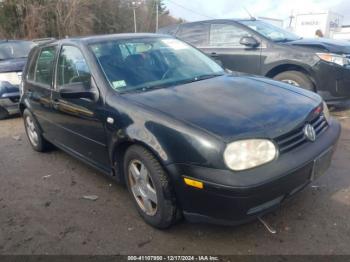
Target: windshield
[12, 50]
[272, 32]
[148, 63]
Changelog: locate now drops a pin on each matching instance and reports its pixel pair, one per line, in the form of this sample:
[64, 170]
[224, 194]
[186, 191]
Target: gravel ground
[42, 210]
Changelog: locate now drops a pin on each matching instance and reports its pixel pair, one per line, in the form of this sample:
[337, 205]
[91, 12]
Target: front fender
[171, 141]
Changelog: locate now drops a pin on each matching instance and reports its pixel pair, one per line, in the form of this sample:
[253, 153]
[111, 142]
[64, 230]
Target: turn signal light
[193, 183]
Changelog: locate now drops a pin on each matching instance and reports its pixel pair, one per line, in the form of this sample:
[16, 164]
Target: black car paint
[271, 58]
[187, 127]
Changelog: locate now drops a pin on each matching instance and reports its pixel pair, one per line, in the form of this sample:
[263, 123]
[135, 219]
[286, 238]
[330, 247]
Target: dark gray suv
[255, 47]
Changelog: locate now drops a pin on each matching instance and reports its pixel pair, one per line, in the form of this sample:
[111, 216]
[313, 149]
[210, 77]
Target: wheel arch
[24, 104]
[118, 152]
[22, 107]
[290, 67]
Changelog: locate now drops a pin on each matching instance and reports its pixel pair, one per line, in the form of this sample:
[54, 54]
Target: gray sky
[193, 10]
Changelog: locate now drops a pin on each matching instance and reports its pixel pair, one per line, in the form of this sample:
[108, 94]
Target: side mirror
[78, 90]
[249, 41]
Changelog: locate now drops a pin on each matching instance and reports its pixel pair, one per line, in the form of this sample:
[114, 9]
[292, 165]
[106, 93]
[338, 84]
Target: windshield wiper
[284, 40]
[179, 82]
[203, 77]
[143, 89]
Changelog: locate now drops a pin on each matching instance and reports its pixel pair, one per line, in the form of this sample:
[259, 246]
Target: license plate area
[321, 164]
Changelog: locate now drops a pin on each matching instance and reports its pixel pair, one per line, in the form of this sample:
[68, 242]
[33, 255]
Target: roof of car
[102, 38]
[216, 20]
[12, 41]
[237, 20]
[229, 20]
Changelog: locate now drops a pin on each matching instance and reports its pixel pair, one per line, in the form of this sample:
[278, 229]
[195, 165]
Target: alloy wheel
[142, 187]
[291, 82]
[31, 131]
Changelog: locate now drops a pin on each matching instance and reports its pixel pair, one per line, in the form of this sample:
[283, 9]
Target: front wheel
[296, 78]
[150, 187]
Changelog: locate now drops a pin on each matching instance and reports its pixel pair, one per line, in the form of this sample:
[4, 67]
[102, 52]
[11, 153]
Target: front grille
[296, 137]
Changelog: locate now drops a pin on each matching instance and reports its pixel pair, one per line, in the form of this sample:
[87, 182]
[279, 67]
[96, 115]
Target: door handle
[213, 54]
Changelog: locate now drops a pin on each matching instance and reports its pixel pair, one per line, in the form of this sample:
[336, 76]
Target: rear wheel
[37, 141]
[150, 187]
[296, 78]
[3, 113]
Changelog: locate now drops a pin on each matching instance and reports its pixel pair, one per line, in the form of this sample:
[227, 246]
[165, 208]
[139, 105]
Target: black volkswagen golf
[186, 137]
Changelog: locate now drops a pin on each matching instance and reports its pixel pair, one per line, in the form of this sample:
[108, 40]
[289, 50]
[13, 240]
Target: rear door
[196, 34]
[39, 86]
[79, 121]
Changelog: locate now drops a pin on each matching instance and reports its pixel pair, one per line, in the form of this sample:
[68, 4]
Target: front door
[224, 45]
[80, 128]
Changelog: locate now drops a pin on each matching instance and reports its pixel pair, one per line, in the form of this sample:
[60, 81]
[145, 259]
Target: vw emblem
[309, 132]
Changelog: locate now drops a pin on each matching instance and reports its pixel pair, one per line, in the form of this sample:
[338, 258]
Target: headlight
[341, 60]
[245, 154]
[326, 111]
[13, 78]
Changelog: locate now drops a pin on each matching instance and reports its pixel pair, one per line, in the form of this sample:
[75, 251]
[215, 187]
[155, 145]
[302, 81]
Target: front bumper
[10, 102]
[237, 197]
[333, 82]
[9, 97]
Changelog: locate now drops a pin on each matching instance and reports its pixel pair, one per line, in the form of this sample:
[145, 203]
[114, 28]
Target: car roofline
[237, 20]
[102, 38]
[14, 41]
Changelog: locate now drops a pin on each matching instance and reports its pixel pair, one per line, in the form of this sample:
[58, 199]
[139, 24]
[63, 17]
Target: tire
[161, 213]
[3, 113]
[296, 78]
[36, 140]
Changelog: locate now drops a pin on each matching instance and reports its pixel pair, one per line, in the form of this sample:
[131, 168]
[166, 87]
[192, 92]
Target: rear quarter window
[31, 64]
[44, 65]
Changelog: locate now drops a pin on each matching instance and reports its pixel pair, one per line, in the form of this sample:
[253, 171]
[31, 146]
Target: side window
[225, 35]
[44, 65]
[32, 63]
[195, 34]
[72, 67]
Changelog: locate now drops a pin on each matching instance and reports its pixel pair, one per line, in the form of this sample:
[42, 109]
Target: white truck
[306, 24]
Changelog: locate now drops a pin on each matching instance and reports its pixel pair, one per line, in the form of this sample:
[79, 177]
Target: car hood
[232, 107]
[333, 46]
[12, 65]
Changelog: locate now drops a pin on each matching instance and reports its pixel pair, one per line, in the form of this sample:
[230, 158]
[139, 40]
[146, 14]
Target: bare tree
[60, 18]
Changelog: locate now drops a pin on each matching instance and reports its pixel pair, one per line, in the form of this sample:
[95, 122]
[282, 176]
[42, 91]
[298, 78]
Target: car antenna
[250, 15]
